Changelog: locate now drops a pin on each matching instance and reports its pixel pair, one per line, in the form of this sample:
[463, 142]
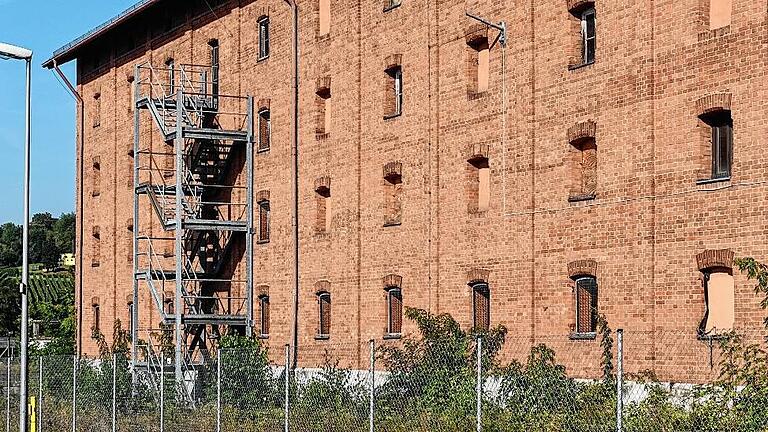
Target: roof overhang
[69, 51]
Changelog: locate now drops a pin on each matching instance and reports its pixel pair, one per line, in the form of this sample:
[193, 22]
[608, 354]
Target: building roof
[69, 51]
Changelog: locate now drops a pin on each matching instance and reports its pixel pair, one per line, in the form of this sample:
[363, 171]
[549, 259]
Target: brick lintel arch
[715, 258]
[576, 6]
[477, 152]
[713, 102]
[393, 61]
[585, 267]
[476, 33]
[581, 131]
[322, 286]
[392, 281]
[262, 291]
[478, 275]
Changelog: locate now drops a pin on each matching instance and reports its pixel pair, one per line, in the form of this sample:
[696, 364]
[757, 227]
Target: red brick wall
[649, 219]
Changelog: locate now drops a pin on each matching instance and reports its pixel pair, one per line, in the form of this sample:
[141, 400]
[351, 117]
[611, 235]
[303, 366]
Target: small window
[264, 316]
[214, 53]
[325, 17]
[170, 68]
[324, 309]
[265, 130]
[264, 210]
[481, 306]
[394, 92]
[97, 110]
[130, 317]
[394, 311]
[721, 125]
[588, 36]
[719, 302]
[263, 38]
[96, 329]
[586, 305]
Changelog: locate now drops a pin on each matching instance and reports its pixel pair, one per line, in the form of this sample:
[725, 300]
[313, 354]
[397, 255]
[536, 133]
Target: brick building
[609, 158]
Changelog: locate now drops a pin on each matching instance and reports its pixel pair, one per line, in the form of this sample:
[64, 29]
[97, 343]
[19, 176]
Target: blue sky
[42, 26]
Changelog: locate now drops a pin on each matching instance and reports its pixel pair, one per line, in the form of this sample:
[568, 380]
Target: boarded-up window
[265, 130]
[324, 308]
[586, 305]
[720, 303]
[479, 64]
[394, 311]
[96, 251]
[583, 169]
[481, 306]
[719, 13]
[323, 197]
[325, 17]
[97, 110]
[264, 315]
[323, 106]
[96, 176]
[393, 190]
[264, 217]
[479, 187]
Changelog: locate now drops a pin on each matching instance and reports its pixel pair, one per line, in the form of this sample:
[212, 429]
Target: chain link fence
[610, 381]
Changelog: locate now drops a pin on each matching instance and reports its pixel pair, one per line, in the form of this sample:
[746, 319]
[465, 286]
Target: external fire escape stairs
[197, 186]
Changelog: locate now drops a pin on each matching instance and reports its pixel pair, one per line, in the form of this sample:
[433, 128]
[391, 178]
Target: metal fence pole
[479, 383]
[373, 386]
[74, 393]
[114, 392]
[162, 393]
[8, 396]
[287, 371]
[218, 390]
[40, 396]
[619, 378]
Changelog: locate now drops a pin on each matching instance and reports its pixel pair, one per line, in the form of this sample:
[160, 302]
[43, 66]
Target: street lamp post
[18, 53]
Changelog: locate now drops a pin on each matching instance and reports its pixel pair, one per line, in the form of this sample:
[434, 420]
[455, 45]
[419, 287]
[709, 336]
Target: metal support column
[136, 224]
[114, 392]
[179, 151]
[218, 390]
[619, 379]
[74, 393]
[479, 384]
[249, 222]
[286, 374]
[372, 393]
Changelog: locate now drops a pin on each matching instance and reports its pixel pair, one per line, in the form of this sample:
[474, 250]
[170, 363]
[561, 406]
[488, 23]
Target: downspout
[295, 185]
[80, 147]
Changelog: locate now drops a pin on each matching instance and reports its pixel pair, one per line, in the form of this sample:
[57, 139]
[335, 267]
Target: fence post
[373, 386]
[40, 396]
[8, 396]
[114, 392]
[287, 371]
[619, 379]
[218, 390]
[162, 392]
[74, 393]
[479, 383]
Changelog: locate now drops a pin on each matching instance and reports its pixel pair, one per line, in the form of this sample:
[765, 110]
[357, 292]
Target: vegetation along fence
[441, 379]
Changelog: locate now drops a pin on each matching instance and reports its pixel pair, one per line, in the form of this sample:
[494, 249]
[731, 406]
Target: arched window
[586, 304]
[394, 311]
[481, 306]
[263, 37]
[324, 314]
[264, 219]
[716, 267]
[264, 316]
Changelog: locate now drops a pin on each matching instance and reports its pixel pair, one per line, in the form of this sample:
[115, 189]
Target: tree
[10, 301]
[10, 245]
[64, 233]
[42, 243]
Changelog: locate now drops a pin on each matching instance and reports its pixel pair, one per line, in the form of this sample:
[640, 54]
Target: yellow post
[32, 414]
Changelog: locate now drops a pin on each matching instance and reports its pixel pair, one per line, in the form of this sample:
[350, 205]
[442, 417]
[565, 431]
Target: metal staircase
[193, 249]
